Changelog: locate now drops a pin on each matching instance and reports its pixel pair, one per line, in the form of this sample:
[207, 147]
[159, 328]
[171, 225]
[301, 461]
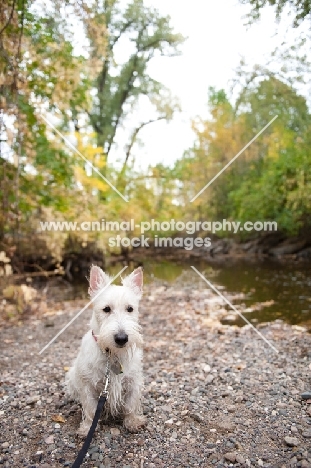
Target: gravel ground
[215, 395]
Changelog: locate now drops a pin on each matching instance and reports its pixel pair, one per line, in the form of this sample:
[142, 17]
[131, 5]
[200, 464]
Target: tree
[38, 70]
[270, 180]
[121, 84]
[301, 9]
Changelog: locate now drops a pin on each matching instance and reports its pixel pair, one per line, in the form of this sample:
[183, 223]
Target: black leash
[101, 403]
[79, 460]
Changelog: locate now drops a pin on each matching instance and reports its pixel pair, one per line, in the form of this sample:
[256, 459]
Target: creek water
[265, 290]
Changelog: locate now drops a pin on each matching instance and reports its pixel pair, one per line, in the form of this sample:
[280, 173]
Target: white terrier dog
[115, 334]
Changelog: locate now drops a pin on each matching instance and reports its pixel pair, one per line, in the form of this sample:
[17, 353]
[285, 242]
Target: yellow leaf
[58, 418]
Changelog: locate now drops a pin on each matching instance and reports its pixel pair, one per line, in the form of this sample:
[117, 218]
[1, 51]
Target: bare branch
[10, 18]
[133, 139]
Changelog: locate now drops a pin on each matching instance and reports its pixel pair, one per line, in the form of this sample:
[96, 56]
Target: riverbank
[273, 246]
[38, 258]
[214, 396]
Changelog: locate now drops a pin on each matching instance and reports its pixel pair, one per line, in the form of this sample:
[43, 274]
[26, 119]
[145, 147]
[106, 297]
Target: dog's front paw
[83, 429]
[134, 422]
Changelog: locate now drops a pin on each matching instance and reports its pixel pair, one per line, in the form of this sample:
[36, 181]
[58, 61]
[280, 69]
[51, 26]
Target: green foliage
[42, 178]
[271, 179]
[300, 8]
[145, 34]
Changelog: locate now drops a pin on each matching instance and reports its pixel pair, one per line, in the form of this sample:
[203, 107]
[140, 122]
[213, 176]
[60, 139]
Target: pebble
[209, 379]
[197, 417]
[239, 399]
[291, 441]
[307, 434]
[239, 459]
[226, 426]
[230, 456]
[32, 399]
[93, 449]
[208, 431]
[306, 395]
[49, 440]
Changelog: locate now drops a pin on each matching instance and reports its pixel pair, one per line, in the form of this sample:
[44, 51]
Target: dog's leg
[88, 400]
[133, 417]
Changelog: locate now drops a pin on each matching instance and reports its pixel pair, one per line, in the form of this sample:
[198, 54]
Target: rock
[306, 395]
[291, 441]
[197, 417]
[230, 456]
[294, 429]
[230, 318]
[207, 368]
[239, 399]
[209, 379]
[38, 455]
[115, 431]
[93, 449]
[226, 426]
[32, 399]
[49, 440]
[166, 408]
[307, 434]
[305, 464]
[239, 459]
[5, 445]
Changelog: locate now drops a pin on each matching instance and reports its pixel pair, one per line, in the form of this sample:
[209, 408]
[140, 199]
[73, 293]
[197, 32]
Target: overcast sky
[217, 39]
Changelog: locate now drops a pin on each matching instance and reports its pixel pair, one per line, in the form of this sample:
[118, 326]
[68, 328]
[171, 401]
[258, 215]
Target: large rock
[291, 441]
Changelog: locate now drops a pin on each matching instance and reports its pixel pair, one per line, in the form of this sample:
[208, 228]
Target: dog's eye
[129, 309]
[107, 309]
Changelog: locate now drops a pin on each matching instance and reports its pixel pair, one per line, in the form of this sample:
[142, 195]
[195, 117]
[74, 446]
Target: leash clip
[105, 391]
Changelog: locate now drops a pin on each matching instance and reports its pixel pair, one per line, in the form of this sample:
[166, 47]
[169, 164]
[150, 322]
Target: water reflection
[283, 288]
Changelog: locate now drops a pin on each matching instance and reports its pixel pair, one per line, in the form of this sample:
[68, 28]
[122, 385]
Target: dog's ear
[98, 279]
[135, 281]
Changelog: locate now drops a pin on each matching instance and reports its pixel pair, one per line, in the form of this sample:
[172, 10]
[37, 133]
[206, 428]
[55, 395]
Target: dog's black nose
[121, 338]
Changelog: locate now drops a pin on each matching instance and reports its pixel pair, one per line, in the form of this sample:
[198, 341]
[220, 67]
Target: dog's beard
[106, 342]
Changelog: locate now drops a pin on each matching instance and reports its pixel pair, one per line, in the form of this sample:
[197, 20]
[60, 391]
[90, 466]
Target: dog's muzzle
[121, 339]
